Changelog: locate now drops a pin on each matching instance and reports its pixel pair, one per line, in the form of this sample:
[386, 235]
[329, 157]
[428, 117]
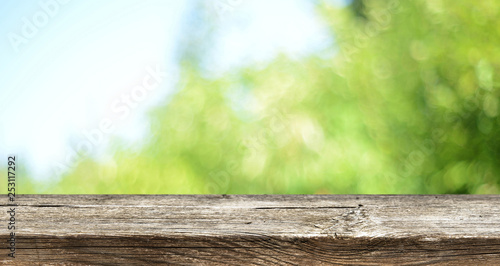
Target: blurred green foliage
[407, 104]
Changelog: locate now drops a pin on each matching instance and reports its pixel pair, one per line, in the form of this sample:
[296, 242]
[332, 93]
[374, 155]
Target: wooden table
[255, 229]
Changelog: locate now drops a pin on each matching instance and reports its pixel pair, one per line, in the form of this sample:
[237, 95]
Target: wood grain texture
[256, 229]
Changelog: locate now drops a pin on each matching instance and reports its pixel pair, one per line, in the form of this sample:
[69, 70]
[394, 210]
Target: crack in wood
[295, 208]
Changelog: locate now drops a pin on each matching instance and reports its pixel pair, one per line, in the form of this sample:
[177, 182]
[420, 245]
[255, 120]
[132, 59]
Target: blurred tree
[358, 7]
[423, 72]
[409, 104]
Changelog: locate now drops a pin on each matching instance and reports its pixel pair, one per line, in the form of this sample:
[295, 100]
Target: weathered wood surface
[256, 229]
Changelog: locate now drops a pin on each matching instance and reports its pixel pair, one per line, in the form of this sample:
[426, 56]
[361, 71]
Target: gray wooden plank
[256, 229]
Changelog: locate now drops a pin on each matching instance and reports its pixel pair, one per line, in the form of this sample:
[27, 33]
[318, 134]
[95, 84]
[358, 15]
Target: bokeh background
[240, 96]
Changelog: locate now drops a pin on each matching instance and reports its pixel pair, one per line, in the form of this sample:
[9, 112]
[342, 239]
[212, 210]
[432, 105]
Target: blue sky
[64, 66]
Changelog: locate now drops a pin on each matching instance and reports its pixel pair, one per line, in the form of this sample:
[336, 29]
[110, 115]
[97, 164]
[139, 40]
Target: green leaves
[409, 104]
